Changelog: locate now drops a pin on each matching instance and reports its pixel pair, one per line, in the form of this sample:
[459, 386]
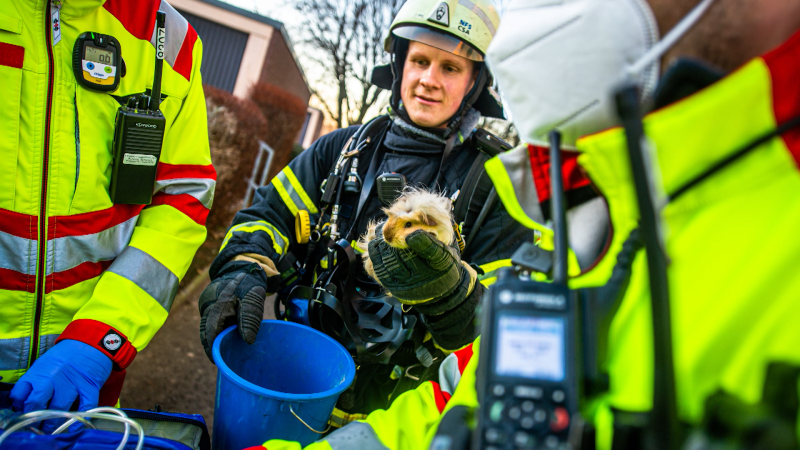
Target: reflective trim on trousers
[147, 273]
[14, 353]
[358, 435]
[200, 188]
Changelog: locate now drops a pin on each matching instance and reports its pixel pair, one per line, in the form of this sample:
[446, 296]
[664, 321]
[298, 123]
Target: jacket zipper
[41, 269]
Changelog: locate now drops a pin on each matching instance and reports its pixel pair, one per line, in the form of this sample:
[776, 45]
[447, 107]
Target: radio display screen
[530, 347]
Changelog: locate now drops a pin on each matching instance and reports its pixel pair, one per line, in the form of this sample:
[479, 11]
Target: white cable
[37, 416]
[102, 409]
[670, 39]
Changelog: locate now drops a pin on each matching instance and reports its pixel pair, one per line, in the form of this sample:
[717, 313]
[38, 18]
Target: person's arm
[412, 419]
[248, 267]
[265, 230]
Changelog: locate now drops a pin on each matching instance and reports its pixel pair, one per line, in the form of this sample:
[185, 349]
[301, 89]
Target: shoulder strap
[471, 208]
[375, 128]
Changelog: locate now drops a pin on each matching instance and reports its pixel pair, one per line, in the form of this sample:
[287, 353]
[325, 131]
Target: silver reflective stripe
[358, 435]
[176, 27]
[295, 196]
[47, 342]
[70, 251]
[588, 230]
[14, 353]
[200, 188]
[517, 163]
[479, 12]
[147, 273]
[17, 254]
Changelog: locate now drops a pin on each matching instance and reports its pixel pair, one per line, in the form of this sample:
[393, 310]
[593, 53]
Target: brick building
[241, 47]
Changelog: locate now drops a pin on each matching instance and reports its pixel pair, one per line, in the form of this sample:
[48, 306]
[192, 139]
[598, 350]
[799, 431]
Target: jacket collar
[689, 136]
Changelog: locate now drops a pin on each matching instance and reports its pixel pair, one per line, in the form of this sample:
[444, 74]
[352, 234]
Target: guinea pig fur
[418, 209]
[415, 209]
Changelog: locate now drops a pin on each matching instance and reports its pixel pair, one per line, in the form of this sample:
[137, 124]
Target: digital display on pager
[531, 347]
[99, 56]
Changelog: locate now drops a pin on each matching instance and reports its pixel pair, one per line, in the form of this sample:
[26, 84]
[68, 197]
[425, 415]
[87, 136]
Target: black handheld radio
[138, 137]
[529, 381]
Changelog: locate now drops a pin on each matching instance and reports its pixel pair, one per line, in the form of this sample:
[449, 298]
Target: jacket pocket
[11, 57]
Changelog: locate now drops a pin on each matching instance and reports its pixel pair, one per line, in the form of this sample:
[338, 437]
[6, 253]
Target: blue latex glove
[69, 370]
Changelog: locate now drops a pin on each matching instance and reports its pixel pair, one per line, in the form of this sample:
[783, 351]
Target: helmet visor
[438, 39]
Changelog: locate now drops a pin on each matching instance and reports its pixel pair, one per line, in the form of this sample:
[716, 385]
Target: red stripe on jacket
[91, 222]
[173, 171]
[440, 396]
[184, 203]
[574, 177]
[78, 274]
[784, 68]
[19, 225]
[11, 280]
[11, 55]
[463, 356]
[137, 16]
[183, 62]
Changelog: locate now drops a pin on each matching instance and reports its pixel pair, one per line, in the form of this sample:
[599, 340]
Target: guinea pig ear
[427, 220]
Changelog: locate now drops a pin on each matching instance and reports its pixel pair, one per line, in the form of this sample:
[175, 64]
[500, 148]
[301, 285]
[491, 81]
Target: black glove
[235, 297]
[431, 277]
[429, 269]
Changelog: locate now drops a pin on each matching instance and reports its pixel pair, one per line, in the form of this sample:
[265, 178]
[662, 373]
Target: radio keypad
[526, 417]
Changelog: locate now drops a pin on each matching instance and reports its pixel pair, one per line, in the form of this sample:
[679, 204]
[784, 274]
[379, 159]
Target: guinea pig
[416, 209]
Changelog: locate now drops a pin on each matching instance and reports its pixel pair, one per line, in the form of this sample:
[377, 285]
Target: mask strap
[669, 40]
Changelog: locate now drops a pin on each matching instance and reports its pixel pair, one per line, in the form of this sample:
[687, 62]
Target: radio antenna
[558, 212]
[161, 38]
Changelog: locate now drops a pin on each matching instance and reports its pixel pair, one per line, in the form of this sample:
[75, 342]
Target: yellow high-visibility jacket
[732, 241]
[72, 263]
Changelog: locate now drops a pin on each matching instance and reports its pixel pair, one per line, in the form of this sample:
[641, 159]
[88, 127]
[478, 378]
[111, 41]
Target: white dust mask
[557, 62]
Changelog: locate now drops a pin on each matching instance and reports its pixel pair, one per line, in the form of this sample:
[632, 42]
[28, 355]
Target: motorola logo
[146, 125]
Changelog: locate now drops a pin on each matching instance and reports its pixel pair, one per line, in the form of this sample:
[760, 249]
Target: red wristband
[107, 339]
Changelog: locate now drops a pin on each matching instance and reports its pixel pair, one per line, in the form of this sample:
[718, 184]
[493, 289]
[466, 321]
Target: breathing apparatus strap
[372, 172]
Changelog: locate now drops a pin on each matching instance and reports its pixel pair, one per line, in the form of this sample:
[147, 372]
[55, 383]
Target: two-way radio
[138, 137]
[529, 381]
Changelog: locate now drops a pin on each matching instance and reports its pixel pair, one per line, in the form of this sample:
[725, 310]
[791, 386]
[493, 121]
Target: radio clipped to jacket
[138, 137]
[530, 385]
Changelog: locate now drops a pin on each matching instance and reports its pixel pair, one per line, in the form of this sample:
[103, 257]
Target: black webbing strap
[372, 173]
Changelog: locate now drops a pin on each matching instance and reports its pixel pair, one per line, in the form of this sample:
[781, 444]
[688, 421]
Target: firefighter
[86, 283]
[440, 88]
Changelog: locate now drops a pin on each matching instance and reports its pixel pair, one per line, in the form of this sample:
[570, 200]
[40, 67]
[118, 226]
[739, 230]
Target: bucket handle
[307, 425]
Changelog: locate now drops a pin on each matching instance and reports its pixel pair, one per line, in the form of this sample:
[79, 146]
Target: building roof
[263, 19]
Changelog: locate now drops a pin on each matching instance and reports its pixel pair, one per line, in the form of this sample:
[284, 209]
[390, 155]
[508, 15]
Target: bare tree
[345, 39]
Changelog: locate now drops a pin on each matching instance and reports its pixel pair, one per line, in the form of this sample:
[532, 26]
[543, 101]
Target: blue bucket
[290, 369]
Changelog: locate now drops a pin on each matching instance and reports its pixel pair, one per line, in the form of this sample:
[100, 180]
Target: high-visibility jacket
[732, 244]
[72, 263]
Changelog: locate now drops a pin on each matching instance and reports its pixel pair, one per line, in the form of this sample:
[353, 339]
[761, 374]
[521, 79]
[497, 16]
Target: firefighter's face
[434, 84]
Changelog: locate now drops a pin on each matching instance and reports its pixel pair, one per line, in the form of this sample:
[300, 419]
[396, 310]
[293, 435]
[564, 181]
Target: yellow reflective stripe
[287, 199]
[298, 188]
[494, 265]
[279, 241]
[488, 281]
[505, 190]
[292, 193]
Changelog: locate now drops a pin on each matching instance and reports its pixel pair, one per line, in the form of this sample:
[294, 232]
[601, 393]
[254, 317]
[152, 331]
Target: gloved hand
[431, 276]
[235, 297]
[68, 371]
[428, 272]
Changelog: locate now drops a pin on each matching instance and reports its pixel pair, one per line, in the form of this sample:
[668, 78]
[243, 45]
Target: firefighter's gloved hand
[235, 297]
[431, 276]
[70, 370]
[427, 271]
